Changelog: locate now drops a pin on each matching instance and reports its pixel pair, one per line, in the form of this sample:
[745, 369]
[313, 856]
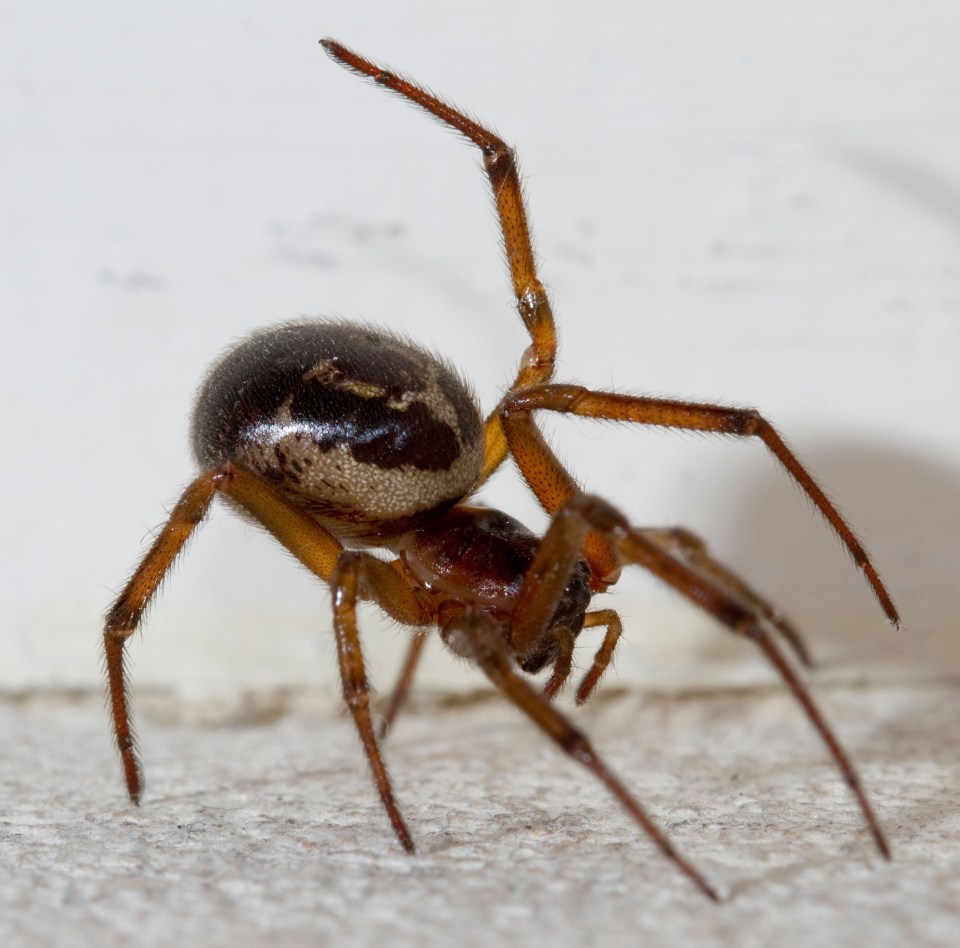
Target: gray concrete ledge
[260, 825]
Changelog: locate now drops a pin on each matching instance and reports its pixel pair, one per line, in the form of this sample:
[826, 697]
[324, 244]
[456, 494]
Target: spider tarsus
[794, 641]
[884, 847]
[331, 46]
[816, 718]
[709, 891]
[583, 694]
[406, 841]
[880, 590]
[693, 875]
[134, 778]
[588, 684]
[642, 818]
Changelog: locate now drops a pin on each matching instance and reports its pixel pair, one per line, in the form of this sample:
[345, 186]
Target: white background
[750, 202]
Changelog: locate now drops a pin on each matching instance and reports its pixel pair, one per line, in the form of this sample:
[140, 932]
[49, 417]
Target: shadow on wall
[906, 509]
[928, 188]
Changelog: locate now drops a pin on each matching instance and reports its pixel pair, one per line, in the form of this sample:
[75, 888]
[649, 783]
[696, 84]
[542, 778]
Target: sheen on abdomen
[358, 427]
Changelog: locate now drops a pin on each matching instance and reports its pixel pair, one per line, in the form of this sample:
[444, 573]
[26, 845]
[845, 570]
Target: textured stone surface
[260, 824]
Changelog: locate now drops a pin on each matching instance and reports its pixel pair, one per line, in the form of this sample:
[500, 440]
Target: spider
[339, 438]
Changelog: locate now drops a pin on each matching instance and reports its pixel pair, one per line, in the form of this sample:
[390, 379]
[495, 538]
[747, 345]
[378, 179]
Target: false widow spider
[336, 436]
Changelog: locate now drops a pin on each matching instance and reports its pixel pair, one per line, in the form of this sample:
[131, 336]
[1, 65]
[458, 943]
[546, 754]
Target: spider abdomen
[365, 431]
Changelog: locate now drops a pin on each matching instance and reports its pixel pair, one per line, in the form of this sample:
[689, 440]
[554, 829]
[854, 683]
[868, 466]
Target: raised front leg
[500, 164]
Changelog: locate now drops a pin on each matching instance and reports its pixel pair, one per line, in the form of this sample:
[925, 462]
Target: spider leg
[738, 616]
[562, 666]
[310, 543]
[500, 164]
[125, 614]
[553, 484]
[693, 551]
[478, 637]
[550, 572]
[401, 687]
[614, 626]
[609, 543]
[540, 595]
[360, 575]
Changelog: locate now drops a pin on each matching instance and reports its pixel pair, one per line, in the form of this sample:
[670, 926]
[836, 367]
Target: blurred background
[749, 203]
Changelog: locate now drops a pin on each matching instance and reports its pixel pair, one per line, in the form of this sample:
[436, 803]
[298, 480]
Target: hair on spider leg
[360, 451]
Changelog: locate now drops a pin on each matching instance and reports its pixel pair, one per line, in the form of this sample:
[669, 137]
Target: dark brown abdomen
[358, 427]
